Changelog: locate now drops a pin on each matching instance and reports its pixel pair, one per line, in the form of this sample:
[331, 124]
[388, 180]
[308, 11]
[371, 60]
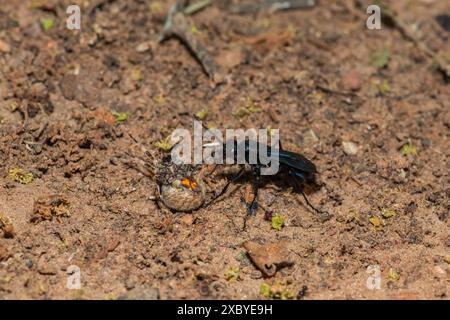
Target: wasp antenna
[206, 128]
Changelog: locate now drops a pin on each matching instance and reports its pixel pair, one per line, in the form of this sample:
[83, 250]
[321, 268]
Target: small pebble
[352, 81]
[29, 263]
[143, 47]
[350, 148]
[8, 231]
[4, 47]
[187, 219]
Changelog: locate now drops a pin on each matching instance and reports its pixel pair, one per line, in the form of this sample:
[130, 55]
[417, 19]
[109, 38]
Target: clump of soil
[47, 207]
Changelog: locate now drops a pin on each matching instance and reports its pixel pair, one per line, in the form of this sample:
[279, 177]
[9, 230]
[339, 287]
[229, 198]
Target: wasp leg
[299, 176]
[251, 208]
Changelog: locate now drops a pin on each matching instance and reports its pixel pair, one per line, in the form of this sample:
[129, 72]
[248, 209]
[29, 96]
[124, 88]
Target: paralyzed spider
[180, 187]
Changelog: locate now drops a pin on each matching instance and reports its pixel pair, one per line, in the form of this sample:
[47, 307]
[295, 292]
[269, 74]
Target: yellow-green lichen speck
[384, 87]
[165, 144]
[18, 175]
[201, 115]
[247, 110]
[232, 274]
[120, 116]
[376, 222]
[241, 256]
[278, 290]
[408, 148]
[270, 131]
[393, 275]
[194, 29]
[380, 59]
[156, 7]
[388, 213]
[264, 290]
[47, 23]
[137, 75]
[277, 222]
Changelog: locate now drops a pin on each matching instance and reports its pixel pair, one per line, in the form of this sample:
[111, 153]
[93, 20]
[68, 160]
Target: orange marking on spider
[189, 184]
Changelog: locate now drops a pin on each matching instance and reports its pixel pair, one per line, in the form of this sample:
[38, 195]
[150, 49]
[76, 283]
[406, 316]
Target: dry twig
[177, 25]
[406, 31]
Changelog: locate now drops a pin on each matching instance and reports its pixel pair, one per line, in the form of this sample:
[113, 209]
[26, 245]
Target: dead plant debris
[49, 207]
[268, 257]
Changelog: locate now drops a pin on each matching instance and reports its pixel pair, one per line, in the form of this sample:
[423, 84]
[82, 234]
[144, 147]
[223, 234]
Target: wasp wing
[294, 160]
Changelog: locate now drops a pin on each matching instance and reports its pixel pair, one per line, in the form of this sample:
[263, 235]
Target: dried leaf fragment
[268, 257]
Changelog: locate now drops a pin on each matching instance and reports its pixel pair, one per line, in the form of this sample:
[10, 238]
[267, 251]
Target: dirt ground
[368, 107]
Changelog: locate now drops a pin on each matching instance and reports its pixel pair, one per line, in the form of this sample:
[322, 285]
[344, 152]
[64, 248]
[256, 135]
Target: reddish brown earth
[310, 74]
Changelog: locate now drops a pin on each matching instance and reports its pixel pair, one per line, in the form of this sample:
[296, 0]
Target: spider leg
[233, 179]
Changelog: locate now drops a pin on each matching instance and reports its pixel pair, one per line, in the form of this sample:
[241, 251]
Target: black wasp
[295, 166]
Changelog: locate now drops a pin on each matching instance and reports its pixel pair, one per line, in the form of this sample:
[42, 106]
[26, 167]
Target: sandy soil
[377, 129]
